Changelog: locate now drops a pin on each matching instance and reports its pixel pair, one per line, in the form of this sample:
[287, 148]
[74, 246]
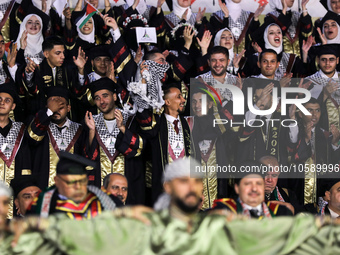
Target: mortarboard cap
[21, 182]
[103, 83]
[57, 91]
[74, 164]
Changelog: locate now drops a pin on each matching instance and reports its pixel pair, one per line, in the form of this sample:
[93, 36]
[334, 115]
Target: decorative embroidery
[63, 139]
[7, 143]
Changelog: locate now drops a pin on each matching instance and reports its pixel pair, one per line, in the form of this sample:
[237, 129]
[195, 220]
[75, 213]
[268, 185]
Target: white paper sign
[59, 6]
[146, 35]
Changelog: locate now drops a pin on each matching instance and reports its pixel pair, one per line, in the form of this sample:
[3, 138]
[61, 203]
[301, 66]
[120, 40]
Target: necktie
[176, 126]
[61, 128]
[254, 213]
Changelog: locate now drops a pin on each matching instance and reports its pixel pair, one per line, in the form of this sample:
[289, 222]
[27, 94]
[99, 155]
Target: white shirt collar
[323, 75]
[66, 124]
[262, 76]
[258, 207]
[96, 76]
[170, 118]
[333, 214]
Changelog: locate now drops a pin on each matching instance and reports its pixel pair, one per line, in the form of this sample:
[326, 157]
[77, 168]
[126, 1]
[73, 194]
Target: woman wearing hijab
[295, 27]
[289, 63]
[30, 39]
[331, 5]
[237, 20]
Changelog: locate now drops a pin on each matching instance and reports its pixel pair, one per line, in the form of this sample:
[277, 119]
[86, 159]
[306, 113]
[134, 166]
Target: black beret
[21, 182]
[331, 49]
[102, 50]
[57, 91]
[74, 164]
[103, 83]
[9, 88]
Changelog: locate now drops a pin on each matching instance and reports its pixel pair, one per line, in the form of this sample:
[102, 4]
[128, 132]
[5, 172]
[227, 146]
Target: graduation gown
[47, 141]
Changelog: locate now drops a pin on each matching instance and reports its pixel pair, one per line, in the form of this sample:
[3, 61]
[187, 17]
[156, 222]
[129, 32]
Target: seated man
[25, 189]
[274, 192]
[117, 185]
[332, 189]
[71, 194]
[250, 190]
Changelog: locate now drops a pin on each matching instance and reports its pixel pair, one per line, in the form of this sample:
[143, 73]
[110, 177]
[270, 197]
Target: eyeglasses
[74, 183]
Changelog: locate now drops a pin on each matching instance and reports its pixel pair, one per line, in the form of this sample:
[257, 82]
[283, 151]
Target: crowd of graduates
[79, 80]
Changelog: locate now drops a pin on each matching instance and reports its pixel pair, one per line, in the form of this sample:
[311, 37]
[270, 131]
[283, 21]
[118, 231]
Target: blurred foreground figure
[196, 233]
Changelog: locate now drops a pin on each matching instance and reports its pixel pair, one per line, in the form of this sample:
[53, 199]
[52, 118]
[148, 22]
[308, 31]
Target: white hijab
[217, 41]
[37, 3]
[337, 38]
[234, 9]
[34, 42]
[90, 37]
[277, 4]
[179, 10]
[330, 7]
[267, 44]
[141, 7]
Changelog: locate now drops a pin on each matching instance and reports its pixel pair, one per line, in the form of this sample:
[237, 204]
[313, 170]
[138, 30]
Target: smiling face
[87, 28]
[33, 25]
[227, 40]
[268, 64]
[251, 190]
[100, 65]
[105, 100]
[330, 29]
[335, 5]
[274, 36]
[218, 63]
[174, 102]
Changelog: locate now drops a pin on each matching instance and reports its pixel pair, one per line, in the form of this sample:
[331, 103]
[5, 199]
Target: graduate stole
[87, 209]
[47, 76]
[320, 156]
[271, 140]
[8, 150]
[69, 138]
[111, 161]
[277, 195]
[333, 110]
[290, 45]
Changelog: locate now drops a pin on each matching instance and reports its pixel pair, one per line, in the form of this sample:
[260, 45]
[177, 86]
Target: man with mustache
[250, 188]
[71, 194]
[50, 132]
[117, 185]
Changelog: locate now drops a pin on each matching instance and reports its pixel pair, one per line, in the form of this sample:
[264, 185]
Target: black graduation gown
[40, 143]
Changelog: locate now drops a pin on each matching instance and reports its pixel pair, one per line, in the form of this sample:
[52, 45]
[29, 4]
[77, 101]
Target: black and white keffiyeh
[8, 142]
[149, 95]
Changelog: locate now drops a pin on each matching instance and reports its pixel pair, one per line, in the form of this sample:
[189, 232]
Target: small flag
[90, 11]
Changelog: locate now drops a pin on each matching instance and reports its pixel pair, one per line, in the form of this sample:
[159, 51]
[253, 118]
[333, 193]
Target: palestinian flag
[90, 11]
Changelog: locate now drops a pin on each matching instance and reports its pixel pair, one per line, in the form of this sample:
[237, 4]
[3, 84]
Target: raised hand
[80, 61]
[322, 36]
[55, 104]
[285, 80]
[239, 82]
[139, 54]
[331, 87]
[237, 58]
[308, 131]
[256, 47]
[284, 7]
[224, 8]
[12, 55]
[89, 121]
[259, 11]
[31, 66]
[304, 4]
[23, 40]
[110, 22]
[67, 12]
[135, 3]
[264, 98]
[188, 34]
[110, 72]
[200, 15]
[204, 42]
[120, 120]
[305, 48]
[336, 134]
[292, 111]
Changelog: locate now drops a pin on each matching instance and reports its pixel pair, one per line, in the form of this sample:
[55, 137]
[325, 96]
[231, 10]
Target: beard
[185, 207]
